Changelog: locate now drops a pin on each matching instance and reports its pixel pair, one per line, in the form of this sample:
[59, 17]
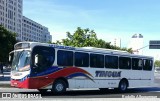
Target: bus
[59, 68]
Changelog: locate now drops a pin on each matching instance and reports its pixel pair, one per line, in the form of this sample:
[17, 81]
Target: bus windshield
[21, 60]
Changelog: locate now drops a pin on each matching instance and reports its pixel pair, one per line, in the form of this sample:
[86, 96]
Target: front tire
[59, 87]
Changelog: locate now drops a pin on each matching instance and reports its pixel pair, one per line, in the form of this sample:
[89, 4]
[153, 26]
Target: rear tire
[123, 85]
[59, 87]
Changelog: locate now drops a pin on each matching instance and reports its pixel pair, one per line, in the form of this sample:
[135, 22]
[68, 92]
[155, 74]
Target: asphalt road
[143, 92]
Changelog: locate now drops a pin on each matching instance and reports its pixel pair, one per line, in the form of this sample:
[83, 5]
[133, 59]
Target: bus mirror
[9, 58]
[36, 59]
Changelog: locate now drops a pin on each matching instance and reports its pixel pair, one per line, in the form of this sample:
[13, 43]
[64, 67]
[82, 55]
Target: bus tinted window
[147, 64]
[97, 60]
[124, 63]
[45, 57]
[137, 64]
[64, 58]
[81, 59]
[111, 62]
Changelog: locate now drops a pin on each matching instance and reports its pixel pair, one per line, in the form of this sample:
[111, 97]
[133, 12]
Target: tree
[87, 37]
[157, 63]
[81, 38]
[7, 41]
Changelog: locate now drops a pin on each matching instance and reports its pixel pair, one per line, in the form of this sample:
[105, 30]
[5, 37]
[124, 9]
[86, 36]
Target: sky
[108, 18]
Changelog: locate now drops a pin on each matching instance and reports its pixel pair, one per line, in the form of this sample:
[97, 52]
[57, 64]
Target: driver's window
[43, 58]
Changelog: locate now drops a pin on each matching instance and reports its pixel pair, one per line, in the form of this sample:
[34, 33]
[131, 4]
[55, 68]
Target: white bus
[57, 68]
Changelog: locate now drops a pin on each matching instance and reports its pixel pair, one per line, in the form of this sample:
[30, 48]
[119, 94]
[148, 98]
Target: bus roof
[23, 45]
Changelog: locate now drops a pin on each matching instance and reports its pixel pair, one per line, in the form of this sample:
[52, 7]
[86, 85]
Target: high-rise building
[116, 42]
[27, 30]
[136, 43]
[33, 31]
[11, 16]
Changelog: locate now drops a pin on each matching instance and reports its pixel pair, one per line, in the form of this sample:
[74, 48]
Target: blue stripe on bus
[48, 71]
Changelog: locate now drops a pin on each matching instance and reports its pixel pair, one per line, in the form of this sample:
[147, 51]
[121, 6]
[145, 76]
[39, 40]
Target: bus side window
[81, 59]
[140, 64]
[111, 62]
[64, 58]
[96, 60]
[147, 64]
[137, 64]
[43, 58]
[124, 63]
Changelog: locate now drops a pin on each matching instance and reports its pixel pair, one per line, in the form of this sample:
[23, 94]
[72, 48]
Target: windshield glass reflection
[21, 61]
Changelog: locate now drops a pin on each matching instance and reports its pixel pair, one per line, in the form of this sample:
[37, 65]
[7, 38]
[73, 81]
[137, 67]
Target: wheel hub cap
[59, 87]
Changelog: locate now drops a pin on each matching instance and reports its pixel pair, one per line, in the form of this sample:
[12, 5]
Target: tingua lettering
[108, 73]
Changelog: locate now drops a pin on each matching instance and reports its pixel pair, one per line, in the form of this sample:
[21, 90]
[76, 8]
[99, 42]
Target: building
[27, 30]
[11, 16]
[136, 43]
[116, 42]
[33, 31]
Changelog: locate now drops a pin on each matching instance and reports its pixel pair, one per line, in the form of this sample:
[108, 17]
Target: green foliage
[81, 38]
[157, 63]
[7, 41]
[88, 38]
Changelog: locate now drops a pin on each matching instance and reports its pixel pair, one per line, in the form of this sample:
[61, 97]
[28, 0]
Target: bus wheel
[59, 87]
[123, 86]
[42, 90]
